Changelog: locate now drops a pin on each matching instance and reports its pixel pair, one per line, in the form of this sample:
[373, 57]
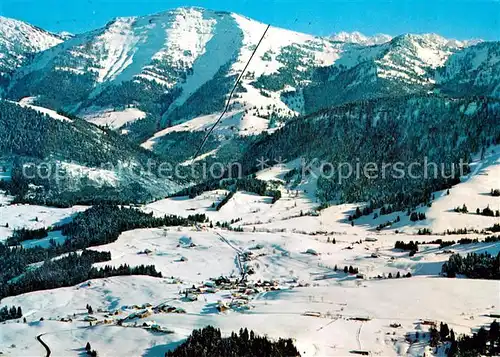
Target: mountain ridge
[18, 42]
[147, 50]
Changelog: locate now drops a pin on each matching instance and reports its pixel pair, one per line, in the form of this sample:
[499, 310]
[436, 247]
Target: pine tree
[453, 351]
[87, 347]
[443, 331]
[494, 331]
[434, 337]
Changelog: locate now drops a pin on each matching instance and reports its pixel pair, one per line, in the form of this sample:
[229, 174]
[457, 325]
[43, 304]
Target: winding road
[39, 338]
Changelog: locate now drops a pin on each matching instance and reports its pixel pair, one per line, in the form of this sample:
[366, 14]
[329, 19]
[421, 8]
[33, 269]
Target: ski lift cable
[230, 95]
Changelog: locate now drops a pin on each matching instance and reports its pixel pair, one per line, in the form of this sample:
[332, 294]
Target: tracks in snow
[239, 253]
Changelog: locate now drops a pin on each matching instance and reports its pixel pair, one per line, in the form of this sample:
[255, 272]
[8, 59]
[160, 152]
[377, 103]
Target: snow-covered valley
[297, 287]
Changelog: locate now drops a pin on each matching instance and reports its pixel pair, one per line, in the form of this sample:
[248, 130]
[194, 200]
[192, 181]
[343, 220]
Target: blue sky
[461, 19]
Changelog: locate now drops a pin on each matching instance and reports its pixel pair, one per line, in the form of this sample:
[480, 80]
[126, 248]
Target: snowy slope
[18, 216]
[305, 283]
[180, 64]
[26, 103]
[176, 53]
[412, 56]
[126, 47]
[18, 42]
[112, 118]
[406, 64]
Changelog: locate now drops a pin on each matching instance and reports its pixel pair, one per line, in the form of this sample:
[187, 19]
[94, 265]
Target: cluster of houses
[169, 309]
[141, 312]
[241, 291]
[147, 309]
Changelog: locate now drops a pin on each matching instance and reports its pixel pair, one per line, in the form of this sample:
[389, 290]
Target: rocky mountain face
[165, 65]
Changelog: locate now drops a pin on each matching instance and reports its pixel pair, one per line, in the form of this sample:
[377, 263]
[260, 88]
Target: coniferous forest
[385, 130]
[474, 266]
[208, 342]
[483, 342]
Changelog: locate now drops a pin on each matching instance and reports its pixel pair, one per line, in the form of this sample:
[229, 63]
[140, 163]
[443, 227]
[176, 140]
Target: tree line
[473, 265]
[248, 183]
[208, 342]
[10, 313]
[70, 270]
[484, 342]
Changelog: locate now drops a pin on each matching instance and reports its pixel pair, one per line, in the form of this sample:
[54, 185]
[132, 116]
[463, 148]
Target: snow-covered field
[287, 245]
[16, 216]
[27, 103]
[307, 283]
[112, 118]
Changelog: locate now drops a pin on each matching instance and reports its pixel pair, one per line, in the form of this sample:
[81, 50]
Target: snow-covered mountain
[180, 65]
[406, 64]
[18, 42]
[164, 62]
[359, 38]
[475, 70]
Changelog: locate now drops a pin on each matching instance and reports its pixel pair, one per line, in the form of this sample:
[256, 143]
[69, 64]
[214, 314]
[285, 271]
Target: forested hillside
[406, 129]
[72, 150]
[373, 99]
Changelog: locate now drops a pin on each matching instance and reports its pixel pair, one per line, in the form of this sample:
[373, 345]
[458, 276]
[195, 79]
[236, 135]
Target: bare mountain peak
[359, 38]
